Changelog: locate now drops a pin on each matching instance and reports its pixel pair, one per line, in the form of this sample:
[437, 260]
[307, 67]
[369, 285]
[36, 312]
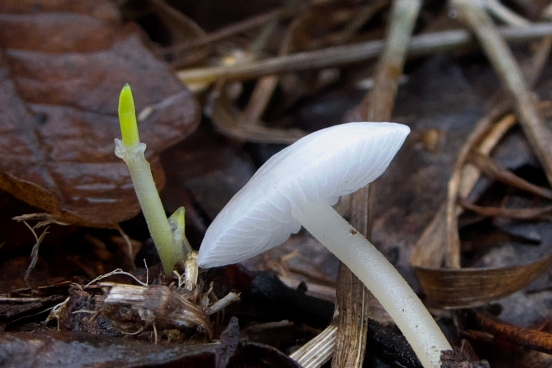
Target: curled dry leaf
[61, 70]
[469, 287]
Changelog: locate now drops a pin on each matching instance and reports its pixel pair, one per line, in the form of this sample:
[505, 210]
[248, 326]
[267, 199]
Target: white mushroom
[298, 186]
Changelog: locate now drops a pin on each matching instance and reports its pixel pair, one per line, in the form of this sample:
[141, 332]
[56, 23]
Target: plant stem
[151, 205]
[379, 276]
[131, 150]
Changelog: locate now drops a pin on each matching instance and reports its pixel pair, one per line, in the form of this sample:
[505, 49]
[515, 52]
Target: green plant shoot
[173, 247]
[127, 117]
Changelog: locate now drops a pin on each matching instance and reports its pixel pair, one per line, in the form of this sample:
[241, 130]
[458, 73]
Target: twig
[116, 271]
[220, 304]
[364, 14]
[34, 251]
[265, 86]
[354, 311]
[378, 104]
[339, 55]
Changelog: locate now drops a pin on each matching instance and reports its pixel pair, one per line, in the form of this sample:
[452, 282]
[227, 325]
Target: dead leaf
[61, 69]
[86, 350]
[468, 287]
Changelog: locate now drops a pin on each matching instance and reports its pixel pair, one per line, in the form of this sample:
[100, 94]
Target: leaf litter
[495, 223]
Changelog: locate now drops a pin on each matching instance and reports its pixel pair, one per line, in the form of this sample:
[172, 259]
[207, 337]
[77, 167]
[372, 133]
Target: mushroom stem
[379, 276]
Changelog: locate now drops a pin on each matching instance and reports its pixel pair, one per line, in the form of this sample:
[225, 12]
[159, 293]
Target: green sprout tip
[127, 117]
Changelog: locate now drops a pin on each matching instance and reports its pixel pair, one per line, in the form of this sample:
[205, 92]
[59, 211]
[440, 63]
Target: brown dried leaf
[61, 70]
[463, 288]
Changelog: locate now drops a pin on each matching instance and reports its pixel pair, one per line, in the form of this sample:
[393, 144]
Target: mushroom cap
[321, 166]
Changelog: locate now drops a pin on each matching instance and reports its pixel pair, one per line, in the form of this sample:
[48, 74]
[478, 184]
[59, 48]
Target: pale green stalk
[131, 150]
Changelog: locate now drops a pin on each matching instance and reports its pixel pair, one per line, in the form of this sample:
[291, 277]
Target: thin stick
[339, 55]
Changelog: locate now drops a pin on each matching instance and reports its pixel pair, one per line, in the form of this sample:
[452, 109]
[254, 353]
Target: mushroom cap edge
[323, 165]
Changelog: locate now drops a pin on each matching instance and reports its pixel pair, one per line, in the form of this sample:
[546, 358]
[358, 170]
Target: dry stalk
[340, 55]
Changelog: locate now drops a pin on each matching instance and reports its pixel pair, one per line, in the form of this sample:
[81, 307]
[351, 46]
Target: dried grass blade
[185, 28]
[354, 312]
[265, 86]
